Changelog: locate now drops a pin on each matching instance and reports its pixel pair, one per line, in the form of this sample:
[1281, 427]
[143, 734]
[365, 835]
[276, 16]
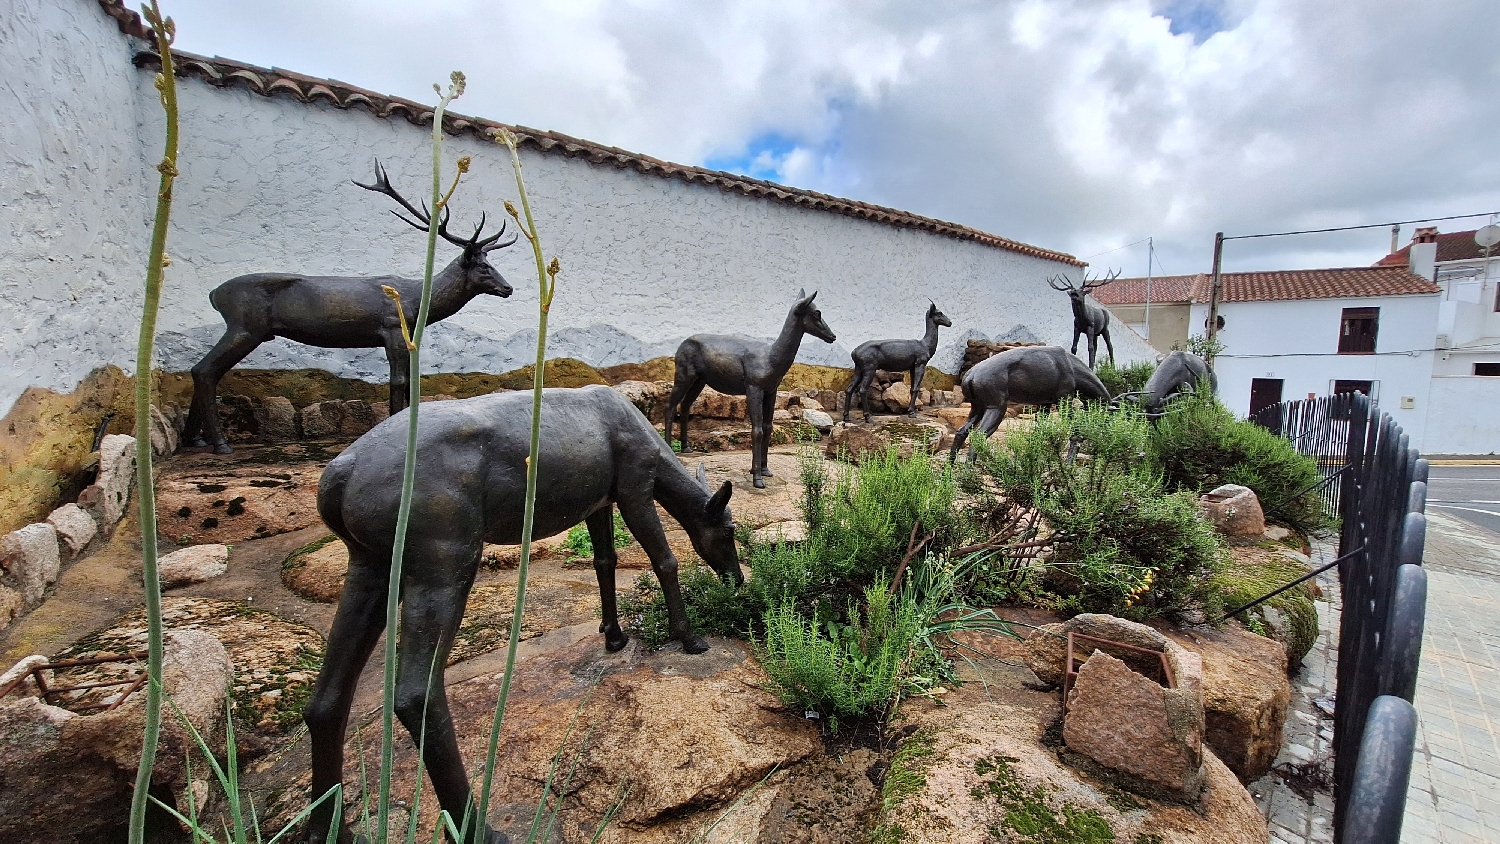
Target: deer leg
[1076, 332]
[769, 414]
[864, 393]
[602, 536]
[1093, 348]
[755, 406]
[1108, 344]
[687, 410]
[398, 357]
[917, 373]
[859, 375]
[988, 424]
[356, 628]
[962, 434]
[432, 607]
[203, 416]
[639, 511]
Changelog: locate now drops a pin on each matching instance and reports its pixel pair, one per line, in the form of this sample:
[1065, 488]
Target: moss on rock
[1289, 618]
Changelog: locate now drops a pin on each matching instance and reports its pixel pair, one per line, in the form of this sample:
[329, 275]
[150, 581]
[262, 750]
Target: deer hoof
[222, 448]
[760, 483]
[614, 640]
[694, 644]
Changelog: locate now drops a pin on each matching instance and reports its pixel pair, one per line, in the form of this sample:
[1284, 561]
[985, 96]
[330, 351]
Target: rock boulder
[1047, 649]
[1234, 510]
[193, 564]
[70, 775]
[110, 492]
[30, 559]
[1245, 696]
[75, 527]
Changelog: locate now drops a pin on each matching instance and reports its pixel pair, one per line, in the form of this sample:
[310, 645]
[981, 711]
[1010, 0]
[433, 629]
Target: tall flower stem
[409, 473]
[164, 31]
[546, 278]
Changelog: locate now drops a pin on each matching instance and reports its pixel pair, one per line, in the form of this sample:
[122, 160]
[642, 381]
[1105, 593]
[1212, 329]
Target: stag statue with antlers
[338, 312]
[1088, 318]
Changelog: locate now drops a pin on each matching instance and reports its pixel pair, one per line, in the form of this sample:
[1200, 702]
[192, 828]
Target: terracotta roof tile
[225, 73]
[1452, 246]
[1276, 285]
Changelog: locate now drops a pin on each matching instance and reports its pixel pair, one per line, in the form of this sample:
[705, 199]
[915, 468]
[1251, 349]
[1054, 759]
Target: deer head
[714, 540]
[1065, 284]
[478, 274]
[811, 318]
[938, 316]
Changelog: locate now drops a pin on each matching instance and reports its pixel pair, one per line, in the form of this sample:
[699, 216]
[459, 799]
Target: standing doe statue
[597, 451]
[737, 366]
[338, 312]
[1088, 318]
[1039, 375]
[894, 356]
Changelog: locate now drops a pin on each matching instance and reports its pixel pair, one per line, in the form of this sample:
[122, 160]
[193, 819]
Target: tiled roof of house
[1452, 246]
[270, 82]
[1276, 285]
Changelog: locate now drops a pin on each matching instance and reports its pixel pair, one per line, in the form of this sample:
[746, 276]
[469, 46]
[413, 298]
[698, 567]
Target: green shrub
[578, 548]
[1200, 445]
[1121, 544]
[840, 669]
[713, 607]
[1130, 378]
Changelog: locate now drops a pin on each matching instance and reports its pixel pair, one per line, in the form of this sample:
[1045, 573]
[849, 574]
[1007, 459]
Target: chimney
[1422, 258]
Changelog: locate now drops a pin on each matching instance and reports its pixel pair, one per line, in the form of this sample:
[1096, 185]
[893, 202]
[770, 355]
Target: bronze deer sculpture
[338, 312]
[1040, 375]
[894, 356]
[738, 366]
[1088, 318]
[597, 451]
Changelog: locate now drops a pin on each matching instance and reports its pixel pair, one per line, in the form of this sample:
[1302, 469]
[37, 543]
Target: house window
[1357, 331]
[1487, 369]
[1366, 387]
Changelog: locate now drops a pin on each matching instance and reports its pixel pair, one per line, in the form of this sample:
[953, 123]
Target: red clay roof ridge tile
[1271, 286]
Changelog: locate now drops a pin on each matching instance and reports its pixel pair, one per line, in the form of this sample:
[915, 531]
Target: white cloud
[1074, 124]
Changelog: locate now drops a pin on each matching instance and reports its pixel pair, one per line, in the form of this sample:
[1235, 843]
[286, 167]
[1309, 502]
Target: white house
[1419, 332]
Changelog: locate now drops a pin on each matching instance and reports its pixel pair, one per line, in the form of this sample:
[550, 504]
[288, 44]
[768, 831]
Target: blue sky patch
[1200, 18]
[762, 158]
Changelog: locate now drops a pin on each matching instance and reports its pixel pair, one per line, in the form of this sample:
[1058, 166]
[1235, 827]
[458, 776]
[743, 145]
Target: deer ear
[702, 475]
[716, 504]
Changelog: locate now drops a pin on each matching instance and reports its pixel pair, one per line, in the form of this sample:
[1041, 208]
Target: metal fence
[1378, 488]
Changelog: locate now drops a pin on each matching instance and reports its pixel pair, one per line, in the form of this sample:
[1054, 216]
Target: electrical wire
[1367, 226]
[1118, 248]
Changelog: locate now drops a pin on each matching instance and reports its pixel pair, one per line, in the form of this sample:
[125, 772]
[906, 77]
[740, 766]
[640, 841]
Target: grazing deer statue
[597, 451]
[1179, 373]
[740, 367]
[894, 356]
[337, 312]
[1040, 375]
[1088, 318]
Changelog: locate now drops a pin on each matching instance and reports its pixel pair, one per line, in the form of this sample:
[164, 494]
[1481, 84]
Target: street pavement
[1455, 786]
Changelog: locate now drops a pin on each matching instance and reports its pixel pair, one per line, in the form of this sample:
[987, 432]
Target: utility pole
[1150, 255]
[1213, 299]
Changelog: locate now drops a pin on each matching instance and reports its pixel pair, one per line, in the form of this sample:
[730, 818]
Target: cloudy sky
[1080, 125]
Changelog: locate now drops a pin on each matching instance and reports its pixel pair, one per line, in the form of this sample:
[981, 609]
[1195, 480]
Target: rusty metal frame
[1070, 670]
[47, 692]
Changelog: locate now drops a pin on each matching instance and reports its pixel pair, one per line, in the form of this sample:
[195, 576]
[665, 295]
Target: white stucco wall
[73, 195]
[646, 261]
[264, 186]
[1463, 416]
[1297, 341]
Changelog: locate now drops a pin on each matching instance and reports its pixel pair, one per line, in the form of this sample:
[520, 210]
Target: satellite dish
[1487, 236]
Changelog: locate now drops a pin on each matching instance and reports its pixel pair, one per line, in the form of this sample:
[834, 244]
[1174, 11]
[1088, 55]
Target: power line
[1118, 248]
[1368, 226]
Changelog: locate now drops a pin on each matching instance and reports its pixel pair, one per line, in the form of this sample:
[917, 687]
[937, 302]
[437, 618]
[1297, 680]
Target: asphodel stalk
[164, 31]
[409, 473]
[546, 279]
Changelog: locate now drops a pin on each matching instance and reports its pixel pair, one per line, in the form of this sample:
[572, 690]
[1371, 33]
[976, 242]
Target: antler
[423, 221]
[1066, 286]
[1095, 284]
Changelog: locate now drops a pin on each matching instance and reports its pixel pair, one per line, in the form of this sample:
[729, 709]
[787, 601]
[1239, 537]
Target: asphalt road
[1471, 493]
